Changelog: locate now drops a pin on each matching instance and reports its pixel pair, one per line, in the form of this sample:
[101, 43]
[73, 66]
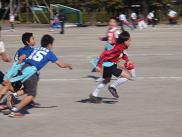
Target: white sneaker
[99, 80]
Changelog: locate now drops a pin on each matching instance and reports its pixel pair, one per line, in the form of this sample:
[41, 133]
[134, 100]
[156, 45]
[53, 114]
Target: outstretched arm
[62, 65]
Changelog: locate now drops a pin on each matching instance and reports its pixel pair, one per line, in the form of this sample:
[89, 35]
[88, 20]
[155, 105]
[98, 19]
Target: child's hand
[129, 65]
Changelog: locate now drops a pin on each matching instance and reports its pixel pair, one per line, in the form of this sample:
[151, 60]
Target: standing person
[12, 21]
[172, 16]
[151, 18]
[141, 22]
[124, 21]
[62, 19]
[134, 19]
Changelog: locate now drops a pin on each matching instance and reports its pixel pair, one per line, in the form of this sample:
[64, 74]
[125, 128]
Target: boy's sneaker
[93, 70]
[99, 80]
[113, 91]
[16, 115]
[94, 99]
[10, 100]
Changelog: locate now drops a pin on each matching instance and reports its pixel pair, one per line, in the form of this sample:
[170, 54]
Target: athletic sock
[118, 82]
[98, 89]
[15, 95]
[133, 74]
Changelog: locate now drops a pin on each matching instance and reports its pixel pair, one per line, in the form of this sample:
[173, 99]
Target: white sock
[133, 74]
[15, 95]
[118, 82]
[98, 89]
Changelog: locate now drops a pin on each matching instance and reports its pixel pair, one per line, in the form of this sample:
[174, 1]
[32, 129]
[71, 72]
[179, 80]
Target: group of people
[23, 76]
[142, 22]
[113, 60]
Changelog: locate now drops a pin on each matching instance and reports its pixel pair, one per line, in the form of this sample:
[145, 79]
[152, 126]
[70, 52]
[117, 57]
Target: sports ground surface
[150, 106]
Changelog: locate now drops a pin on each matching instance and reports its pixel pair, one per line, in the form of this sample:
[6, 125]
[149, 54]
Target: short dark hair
[124, 36]
[26, 37]
[46, 40]
[114, 18]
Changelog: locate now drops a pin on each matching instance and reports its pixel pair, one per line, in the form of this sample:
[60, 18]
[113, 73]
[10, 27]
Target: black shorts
[113, 70]
[30, 85]
[1, 77]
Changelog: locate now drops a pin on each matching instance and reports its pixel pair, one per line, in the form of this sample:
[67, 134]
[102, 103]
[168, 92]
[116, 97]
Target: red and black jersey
[113, 55]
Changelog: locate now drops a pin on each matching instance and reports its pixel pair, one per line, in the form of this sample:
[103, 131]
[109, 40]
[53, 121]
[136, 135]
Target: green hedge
[31, 18]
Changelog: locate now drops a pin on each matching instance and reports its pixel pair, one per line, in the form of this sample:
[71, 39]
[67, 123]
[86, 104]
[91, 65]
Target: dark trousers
[62, 27]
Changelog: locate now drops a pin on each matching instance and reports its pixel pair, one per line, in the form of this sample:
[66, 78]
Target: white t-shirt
[150, 15]
[12, 18]
[172, 13]
[2, 49]
[134, 16]
[122, 17]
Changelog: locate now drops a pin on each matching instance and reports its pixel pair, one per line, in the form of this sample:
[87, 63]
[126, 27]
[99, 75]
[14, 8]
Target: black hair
[26, 37]
[114, 18]
[124, 36]
[46, 40]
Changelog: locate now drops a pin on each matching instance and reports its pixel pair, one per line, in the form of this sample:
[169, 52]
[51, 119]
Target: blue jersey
[27, 50]
[40, 57]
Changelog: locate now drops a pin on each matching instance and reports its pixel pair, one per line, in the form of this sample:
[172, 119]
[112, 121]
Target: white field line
[88, 79]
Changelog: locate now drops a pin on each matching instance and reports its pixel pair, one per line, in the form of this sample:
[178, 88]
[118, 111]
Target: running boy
[113, 56]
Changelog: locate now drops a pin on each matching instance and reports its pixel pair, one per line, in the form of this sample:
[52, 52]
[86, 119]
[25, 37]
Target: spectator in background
[124, 21]
[62, 19]
[141, 22]
[172, 16]
[134, 19]
[151, 18]
[55, 24]
[12, 21]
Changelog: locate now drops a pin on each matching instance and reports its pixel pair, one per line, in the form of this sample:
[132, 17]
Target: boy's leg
[27, 100]
[1, 77]
[30, 88]
[4, 89]
[107, 77]
[122, 75]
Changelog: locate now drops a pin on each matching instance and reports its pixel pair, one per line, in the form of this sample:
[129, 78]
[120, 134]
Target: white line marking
[83, 79]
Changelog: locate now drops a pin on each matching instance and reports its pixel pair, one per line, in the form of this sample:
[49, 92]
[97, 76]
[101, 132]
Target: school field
[150, 106]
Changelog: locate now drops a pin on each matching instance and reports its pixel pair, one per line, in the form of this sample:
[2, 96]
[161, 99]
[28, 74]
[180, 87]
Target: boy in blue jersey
[21, 54]
[35, 62]
[29, 42]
